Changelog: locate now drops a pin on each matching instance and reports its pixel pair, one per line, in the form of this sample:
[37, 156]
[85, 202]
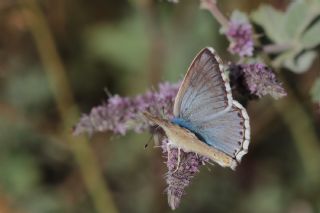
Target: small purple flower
[257, 79]
[240, 35]
[180, 172]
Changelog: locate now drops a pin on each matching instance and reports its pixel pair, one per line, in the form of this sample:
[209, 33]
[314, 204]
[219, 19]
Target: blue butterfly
[207, 120]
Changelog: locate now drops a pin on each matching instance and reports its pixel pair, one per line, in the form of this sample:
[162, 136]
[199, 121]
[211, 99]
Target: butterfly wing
[204, 101]
[205, 92]
[229, 132]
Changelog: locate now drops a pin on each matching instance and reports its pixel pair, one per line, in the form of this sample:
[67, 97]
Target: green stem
[303, 134]
[301, 128]
[67, 108]
[155, 72]
[211, 6]
[276, 48]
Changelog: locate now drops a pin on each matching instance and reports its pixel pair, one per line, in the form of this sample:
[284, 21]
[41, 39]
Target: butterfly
[207, 120]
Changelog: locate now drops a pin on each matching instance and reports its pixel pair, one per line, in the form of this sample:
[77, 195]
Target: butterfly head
[153, 119]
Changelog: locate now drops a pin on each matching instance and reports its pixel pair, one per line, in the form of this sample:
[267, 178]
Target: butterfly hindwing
[229, 132]
[205, 92]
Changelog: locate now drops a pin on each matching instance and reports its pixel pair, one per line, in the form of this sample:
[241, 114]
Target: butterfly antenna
[154, 131]
[107, 91]
[152, 88]
[209, 169]
[147, 144]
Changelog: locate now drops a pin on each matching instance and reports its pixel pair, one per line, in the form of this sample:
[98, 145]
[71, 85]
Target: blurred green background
[56, 58]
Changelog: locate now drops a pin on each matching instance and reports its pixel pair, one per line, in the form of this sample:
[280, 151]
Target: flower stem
[155, 71]
[302, 131]
[67, 108]
[303, 135]
[276, 48]
[211, 6]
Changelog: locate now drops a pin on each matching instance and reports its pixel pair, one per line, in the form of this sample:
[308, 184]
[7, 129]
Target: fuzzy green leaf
[315, 91]
[272, 21]
[311, 38]
[301, 63]
[295, 17]
[317, 3]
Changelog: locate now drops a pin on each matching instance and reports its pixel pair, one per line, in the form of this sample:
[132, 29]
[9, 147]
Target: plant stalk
[67, 108]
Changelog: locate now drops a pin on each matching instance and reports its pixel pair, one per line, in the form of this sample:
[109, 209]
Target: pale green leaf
[315, 91]
[272, 21]
[295, 17]
[317, 3]
[301, 63]
[125, 45]
[311, 37]
[28, 91]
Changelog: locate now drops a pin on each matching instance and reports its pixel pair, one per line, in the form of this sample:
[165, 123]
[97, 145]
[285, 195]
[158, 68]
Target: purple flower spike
[180, 173]
[240, 35]
[121, 114]
[262, 81]
[257, 79]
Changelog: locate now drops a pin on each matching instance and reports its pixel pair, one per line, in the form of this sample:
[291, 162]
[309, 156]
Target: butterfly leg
[168, 149]
[178, 164]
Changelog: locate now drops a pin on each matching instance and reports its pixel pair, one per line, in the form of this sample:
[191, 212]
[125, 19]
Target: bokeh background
[56, 59]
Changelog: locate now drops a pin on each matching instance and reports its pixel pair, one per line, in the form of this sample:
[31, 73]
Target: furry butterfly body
[207, 120]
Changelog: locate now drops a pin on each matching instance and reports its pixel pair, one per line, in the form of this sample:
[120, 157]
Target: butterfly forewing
[205, 92]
